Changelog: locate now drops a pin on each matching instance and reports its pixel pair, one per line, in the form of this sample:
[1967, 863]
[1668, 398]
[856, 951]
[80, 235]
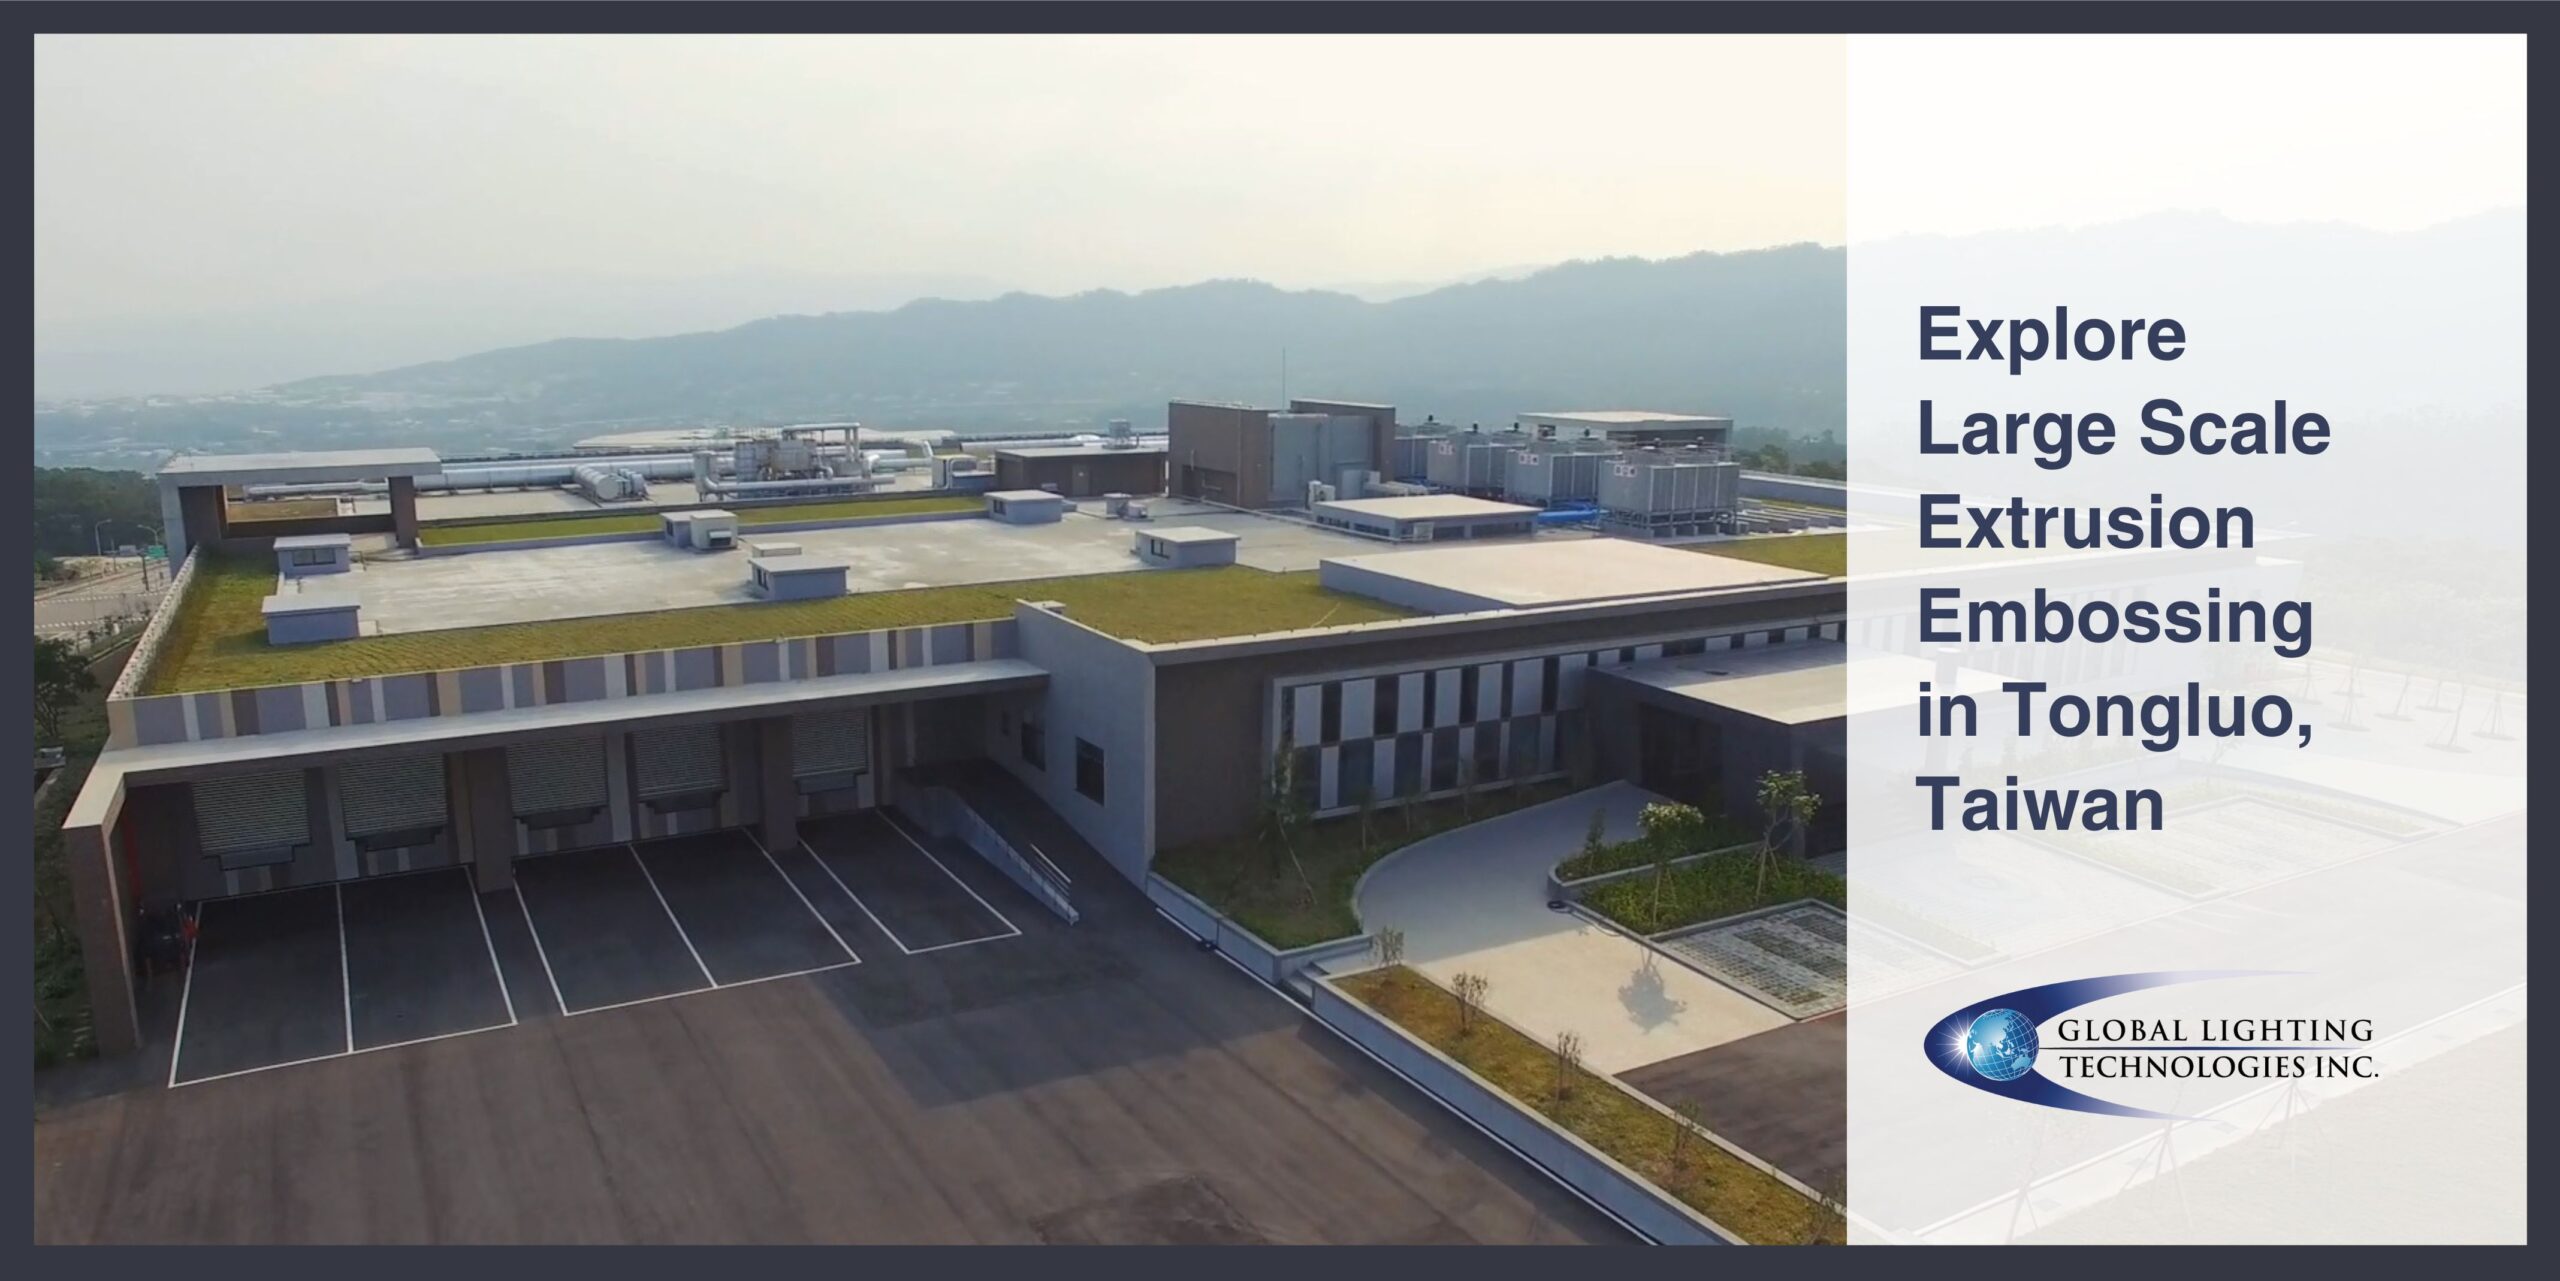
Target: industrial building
[1083, 471]
[1424, 518]
[318, 767]
[1244, 456]
[1626, 428]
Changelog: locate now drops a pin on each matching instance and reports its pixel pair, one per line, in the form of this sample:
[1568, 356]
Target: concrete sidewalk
[1474, 900]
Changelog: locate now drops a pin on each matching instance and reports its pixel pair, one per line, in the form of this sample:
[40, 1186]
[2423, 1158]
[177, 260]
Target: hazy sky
[181, 175]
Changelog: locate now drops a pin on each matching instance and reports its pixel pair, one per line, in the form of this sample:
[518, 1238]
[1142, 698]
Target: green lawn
[1718, 885]
[1747, 1200]
[1825, 554]
[219, 641]
[1254, 882]
[647, 522]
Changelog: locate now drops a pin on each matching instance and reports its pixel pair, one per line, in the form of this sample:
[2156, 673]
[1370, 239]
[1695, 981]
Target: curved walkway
[1474, 900]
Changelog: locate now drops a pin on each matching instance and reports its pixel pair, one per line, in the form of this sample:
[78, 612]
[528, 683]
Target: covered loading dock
[317, 814]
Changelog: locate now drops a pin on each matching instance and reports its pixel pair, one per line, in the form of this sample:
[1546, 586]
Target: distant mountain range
[1756, 335]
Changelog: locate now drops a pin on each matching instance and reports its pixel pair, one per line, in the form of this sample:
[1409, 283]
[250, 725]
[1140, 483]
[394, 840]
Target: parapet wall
[148, 720]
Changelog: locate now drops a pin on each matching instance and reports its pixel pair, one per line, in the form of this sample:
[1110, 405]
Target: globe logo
[2001, 1045]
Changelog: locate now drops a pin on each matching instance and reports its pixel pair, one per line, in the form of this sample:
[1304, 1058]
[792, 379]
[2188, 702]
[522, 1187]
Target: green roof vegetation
[218, 640]
[1825, 554]
[1747, 1200]
[513, 531]
[281, 509]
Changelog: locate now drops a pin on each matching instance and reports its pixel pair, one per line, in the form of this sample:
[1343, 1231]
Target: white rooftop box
[707, 529]
[1026, 506]
[302, 555]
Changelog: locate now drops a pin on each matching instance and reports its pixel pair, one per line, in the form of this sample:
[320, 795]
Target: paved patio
[1474, 900]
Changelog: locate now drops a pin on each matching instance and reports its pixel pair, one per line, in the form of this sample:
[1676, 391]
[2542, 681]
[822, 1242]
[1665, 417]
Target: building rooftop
[308, 542]
[304, 467]
[1427, 507]
[1190, 534]
[518, 604]
[1515, 574]
[1624, 417]
[1084, 451]
[1799, 683]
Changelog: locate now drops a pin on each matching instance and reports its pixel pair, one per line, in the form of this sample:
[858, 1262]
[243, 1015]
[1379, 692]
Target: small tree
[1568, 1060]
[1683, 1138]
[1826, 1214]
[1470, 990]
[60, 679]
[1787, 807]
[1283, 811]
[1389, 943]
[1595, 838]
[1467, 784]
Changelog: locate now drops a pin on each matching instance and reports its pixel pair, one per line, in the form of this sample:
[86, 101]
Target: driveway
[1474, 900]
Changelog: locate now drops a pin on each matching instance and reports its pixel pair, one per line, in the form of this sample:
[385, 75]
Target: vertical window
[1409, 765]
[1444, 759]
[1524, 746]
[1330, 727]
[1306, 776]
[1430, 699]
[1550, 675]
[1467, 681]
[1034, 743]
[1356, 771]
[1089, 770]
[1488, 752]
[1382, 703]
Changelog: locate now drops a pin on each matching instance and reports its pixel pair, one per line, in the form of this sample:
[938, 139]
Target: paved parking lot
[300, 975]
[289, 978]
[1102, 1081]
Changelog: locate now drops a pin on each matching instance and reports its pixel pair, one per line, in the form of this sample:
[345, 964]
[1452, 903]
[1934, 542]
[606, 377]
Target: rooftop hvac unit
[1318, 492]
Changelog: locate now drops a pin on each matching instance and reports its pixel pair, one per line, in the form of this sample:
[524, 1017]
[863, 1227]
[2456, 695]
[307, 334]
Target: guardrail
[944, 814]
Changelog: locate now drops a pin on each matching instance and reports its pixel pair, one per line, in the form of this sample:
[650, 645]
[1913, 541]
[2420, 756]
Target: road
[74, 608]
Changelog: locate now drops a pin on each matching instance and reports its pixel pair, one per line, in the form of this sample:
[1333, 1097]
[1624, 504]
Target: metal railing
[946, 815]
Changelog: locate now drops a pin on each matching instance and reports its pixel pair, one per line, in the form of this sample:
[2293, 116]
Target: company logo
[2003, 1045]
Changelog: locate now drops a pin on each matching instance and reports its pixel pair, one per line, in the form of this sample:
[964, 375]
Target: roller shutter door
[253, 820]
[401, 795]
[556, 777]
[829, 749]
[685, 761]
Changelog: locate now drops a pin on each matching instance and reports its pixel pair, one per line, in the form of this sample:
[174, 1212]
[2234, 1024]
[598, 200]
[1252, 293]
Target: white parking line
[1011, 930]
[804, 899]
[707, 975]
[346, 989]
[876, 922]
[538, 950]
[719, 987]
[346, 985]
[186, 988]
[472, 888]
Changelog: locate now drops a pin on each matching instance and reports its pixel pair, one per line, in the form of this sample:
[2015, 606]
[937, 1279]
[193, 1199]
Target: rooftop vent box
[1184, 547]
[300, 618]
[796, 577]
[703, 530]
[1025, 506]
[304, 555]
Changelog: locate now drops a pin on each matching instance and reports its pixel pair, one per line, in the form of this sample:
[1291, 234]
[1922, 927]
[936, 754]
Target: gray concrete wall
[1102, 691]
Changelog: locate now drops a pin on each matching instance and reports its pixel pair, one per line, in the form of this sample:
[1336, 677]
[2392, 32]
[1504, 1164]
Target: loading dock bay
[320, 972]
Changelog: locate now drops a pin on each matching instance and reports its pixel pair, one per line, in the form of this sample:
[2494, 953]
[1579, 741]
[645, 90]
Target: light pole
[97, 539]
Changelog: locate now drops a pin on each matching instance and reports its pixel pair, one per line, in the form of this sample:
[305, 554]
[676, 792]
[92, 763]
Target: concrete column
[777, 792]
[489, 818]
[404, 510]
[106, 951]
